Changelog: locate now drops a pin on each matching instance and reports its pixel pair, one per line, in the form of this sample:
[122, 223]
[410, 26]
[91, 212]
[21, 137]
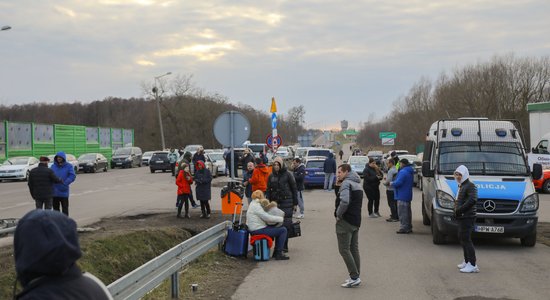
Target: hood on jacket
[407, 168]
[45, 243]
[262, 168]
[464, 172]
[200, 165]
[353, 176]
[60, 154]
[279, 160]
[330, 155]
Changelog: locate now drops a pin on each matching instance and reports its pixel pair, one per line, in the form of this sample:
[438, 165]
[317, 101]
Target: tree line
[188, 116]
[497, 89]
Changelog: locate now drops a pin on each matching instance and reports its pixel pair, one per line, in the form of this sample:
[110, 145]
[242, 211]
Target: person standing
[372, 176]
[403, 193]
[246, 181]
[184, 181]
[203, 180]
[41, 181]
[248, 157]
[329, 167]
[259, 176]
[465, 213]
[349, 201]
[46, 250]
[299, 175]
[199, 155]
[341, 153]
[173, 158]
[65, 172]
[392, 173]
[281, 188]
[186, 161]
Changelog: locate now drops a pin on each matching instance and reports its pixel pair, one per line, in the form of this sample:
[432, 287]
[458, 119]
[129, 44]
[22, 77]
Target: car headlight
[445, 200]
[531, 203]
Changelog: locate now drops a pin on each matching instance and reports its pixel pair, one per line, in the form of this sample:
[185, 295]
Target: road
[393, 266]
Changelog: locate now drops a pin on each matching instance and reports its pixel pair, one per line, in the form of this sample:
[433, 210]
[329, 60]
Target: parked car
[191, 148]
[543, 184]
[257, 148]
[417, 166]
[159, 162]
[126, 157]
[217, 159]
[301, 151]
[17, 167]
[358, 164]
[91, 162]
[317, 152]
[314, 171]
[146, 157]
[70, 159]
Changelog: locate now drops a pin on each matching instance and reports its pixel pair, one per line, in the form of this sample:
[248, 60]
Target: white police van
[494, 153]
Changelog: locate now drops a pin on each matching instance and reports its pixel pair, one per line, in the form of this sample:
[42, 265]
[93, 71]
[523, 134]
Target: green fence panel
[14, 153]
[43, 149]
[107, 152]
[79, 140]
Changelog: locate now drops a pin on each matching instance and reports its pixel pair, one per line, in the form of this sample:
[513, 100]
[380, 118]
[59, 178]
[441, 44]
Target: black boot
[279, 255]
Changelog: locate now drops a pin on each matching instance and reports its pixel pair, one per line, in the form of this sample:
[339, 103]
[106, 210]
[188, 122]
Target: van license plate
[490, 229]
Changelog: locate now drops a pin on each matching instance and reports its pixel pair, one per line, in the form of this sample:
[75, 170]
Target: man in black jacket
[299, 175]
[41, 181]
[348, 220]
[465, 213]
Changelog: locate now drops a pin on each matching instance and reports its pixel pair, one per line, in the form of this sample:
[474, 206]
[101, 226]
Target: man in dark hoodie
[349, 201]
[299, 175]
[46, 249]
[329, 167]
[403, 193]
[41, 181]
[64, 171]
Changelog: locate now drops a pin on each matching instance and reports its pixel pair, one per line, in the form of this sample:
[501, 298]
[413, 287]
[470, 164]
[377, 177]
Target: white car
[216, 158]
[18, 167]
[146, 157]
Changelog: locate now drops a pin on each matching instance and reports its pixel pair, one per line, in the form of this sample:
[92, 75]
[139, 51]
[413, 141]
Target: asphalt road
[393, 266]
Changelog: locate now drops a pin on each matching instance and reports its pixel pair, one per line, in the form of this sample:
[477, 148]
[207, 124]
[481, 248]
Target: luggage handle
[235, 213]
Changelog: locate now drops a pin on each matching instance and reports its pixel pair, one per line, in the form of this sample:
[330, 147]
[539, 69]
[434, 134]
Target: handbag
[295, 230]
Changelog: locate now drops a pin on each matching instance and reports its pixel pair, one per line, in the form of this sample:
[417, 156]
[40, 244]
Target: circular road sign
[231, 128]
[270, 142]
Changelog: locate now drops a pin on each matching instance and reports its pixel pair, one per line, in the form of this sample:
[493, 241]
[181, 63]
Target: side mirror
[534, 150]
[537, 171]
[426, 171]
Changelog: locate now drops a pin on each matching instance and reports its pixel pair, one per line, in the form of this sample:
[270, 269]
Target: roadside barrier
[142, 280]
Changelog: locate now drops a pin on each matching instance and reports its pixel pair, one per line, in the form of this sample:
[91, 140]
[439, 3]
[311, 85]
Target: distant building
[344, 125]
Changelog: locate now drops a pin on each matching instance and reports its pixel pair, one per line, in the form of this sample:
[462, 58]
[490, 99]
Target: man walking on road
[329, 167]
[41, 181]
[348, 220]
[65, 172]
[403, 186]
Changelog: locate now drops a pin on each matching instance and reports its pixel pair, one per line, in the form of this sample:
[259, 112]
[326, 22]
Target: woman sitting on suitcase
[257, 219]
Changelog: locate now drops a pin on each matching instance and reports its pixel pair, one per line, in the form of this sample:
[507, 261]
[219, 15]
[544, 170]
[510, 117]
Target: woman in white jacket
[257, 219]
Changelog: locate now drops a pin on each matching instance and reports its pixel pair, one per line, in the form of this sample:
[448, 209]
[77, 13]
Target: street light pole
[157, 97]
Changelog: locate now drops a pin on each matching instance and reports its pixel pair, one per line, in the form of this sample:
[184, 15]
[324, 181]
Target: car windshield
[148, 153]
[315, 164]
[318, 153]
[159, 156]
[256, 148]
[123, 151]
[358, 160]
[301, 152]
[87, 157]
[191, 148]
[216, 156]
[16, 161]
[487, 158]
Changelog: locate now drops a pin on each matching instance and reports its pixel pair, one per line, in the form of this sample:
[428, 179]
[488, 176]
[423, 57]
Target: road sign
[390, 135]
[273, 142]
[273, 120]
[273, 106]
[231, 128]
[388, 141]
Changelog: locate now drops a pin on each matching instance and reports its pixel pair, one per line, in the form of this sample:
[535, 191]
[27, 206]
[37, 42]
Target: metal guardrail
[7, 226]
[139, 282]
[6, 231]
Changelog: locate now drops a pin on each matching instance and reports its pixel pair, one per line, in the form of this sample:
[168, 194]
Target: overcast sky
[340, 59]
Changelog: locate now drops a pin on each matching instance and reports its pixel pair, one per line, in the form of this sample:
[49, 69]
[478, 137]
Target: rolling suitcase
[236, 242]
[261, 250]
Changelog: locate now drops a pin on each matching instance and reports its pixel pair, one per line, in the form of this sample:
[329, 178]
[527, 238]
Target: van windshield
[487, 158]
[256, 148]
[123, 151]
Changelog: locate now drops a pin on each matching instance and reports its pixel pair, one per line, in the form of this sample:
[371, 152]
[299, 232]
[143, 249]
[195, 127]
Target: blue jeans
[405, 215]
[277, 233]
[329, 180]
[300, 201]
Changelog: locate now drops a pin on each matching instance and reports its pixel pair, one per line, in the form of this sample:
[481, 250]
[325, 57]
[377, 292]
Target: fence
[142, 280]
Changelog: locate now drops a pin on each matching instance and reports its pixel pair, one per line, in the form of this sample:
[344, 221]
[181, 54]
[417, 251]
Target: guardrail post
[175, 285]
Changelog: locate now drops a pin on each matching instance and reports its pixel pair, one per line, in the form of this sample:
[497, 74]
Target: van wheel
[546, 187]
[530, 240]
[425, 219]
[438, 238]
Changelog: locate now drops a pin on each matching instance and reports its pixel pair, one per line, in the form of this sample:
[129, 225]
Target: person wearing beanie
[41, 181]
[46, 249]
[281, 188]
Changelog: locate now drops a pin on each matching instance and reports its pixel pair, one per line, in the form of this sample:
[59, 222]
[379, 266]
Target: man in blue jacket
[403, 193]
[64, 171]
[329, 167]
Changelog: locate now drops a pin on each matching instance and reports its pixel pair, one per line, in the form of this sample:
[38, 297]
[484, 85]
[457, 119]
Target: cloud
[201, 51]
[146, 63]
[65, 11]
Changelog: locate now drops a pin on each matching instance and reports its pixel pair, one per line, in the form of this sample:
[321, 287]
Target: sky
[339, 59]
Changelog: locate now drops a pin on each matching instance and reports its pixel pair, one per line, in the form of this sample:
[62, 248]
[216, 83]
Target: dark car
[126, 157]
[159, 162]
[314, 172]
[91, 162]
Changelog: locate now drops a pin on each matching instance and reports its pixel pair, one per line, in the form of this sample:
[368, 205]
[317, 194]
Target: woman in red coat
[184, 181]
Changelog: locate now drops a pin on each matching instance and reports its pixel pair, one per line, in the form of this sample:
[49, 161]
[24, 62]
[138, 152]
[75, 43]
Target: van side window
[542, 147]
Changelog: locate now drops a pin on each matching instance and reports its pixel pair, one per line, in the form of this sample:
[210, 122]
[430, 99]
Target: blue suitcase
[261, 251]
[236, 242]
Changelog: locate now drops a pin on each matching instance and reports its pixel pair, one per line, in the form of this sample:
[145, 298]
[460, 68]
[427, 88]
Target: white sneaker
[349, 283]
[300, 216]
[372, 215]
[461, 265]
[470, 269]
